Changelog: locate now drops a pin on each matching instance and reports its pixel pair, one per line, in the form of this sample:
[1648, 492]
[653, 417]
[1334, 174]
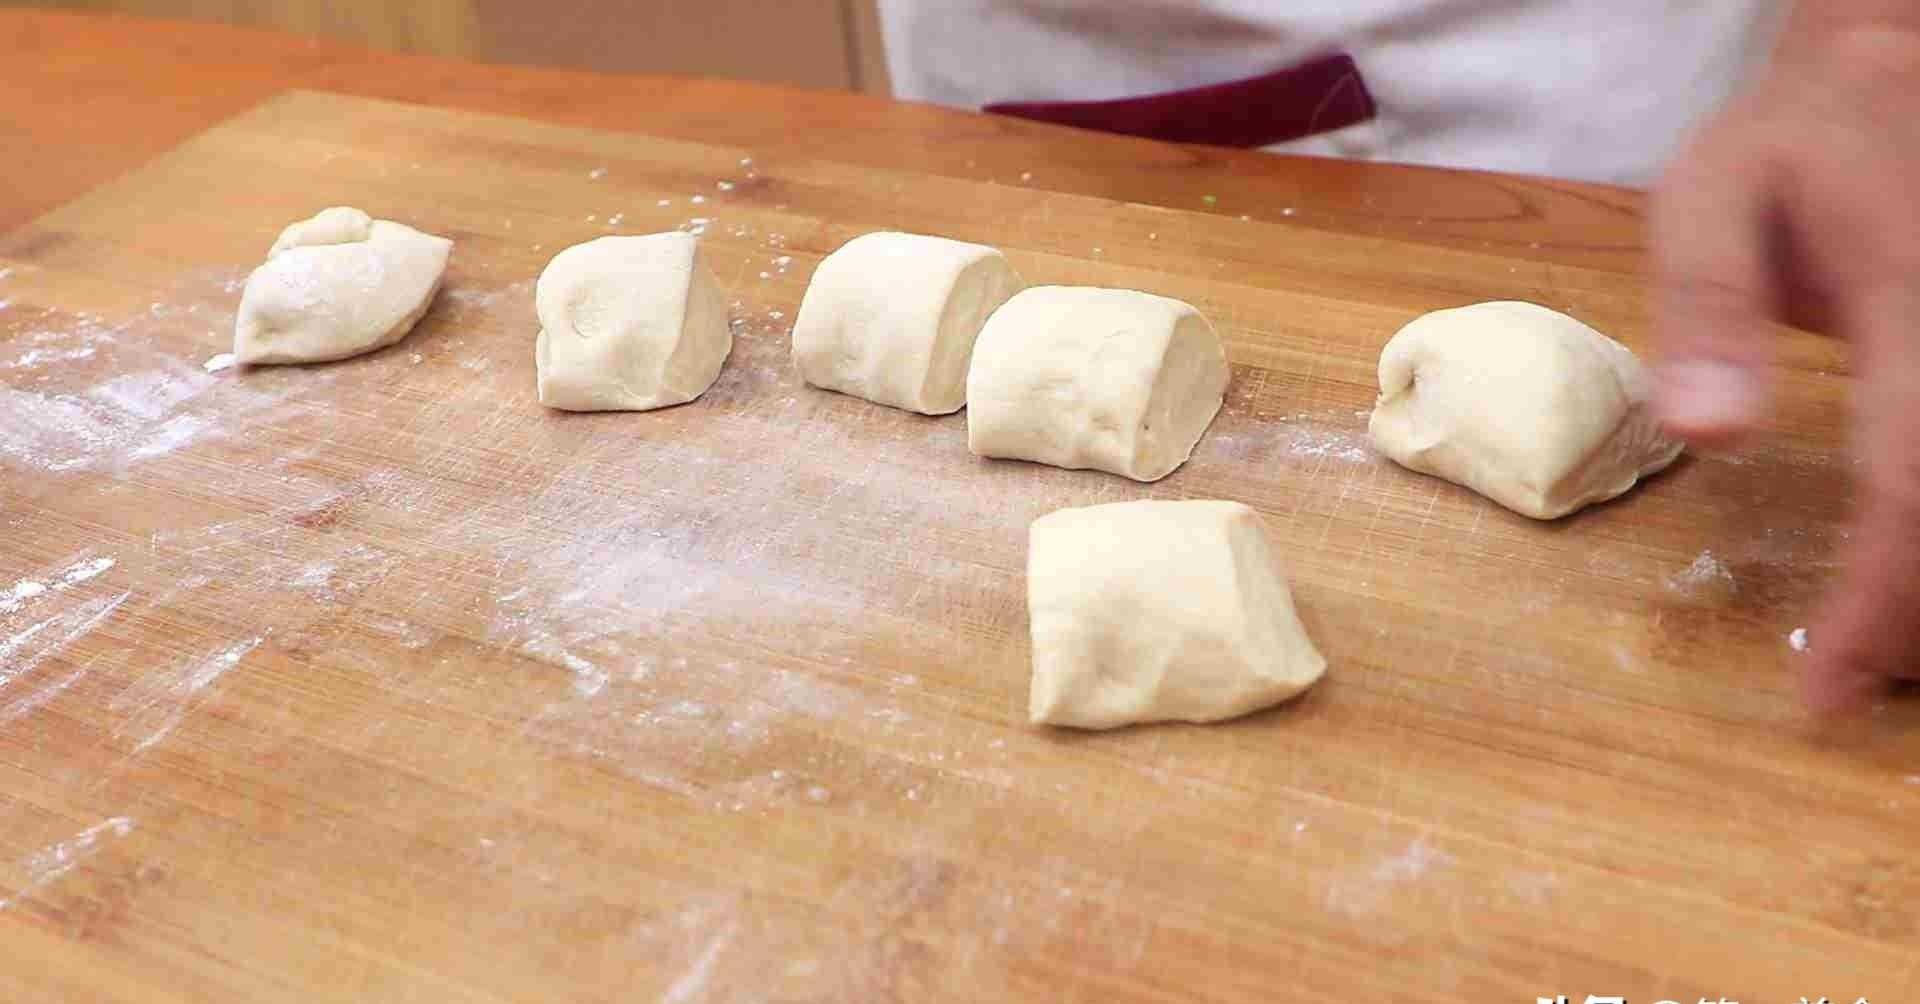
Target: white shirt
[1595, 89]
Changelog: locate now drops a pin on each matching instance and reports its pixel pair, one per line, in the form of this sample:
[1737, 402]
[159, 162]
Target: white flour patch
[408, 634]
[1797, 639]
[475, 298]
[156, 703]
[47, 865]
[172, 434]
[223, 361]
[51, 433]
[26, 704]
[1363, 893]
[27, 648]
[315, 577]
[1707, 572]
[1410, 864]
[149, 395]
[19, 594]
[692, 984]
[95, 393]
[1315, 443]
[85, 570]
[45, 357]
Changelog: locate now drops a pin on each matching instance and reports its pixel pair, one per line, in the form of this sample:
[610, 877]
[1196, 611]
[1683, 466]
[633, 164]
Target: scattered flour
[94, 393]
[21, 592]
[41, 357]
[156, 703]
[28, 647]
[1311, 443]
[1361, 893]
[217, 363]
[1706, 572]
[47, 865]
[82, 571]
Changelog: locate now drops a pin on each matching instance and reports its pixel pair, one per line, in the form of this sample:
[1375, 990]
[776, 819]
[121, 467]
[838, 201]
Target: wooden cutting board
[378, 681]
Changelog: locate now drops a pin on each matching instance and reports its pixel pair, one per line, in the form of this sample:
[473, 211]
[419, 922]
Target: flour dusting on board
[86, 392]
[20, 592]
[40, 625]
[25, 649]
[82, 571]
[155, 704]
[47, 865]
[1706, 573]
[1361, 893]
[1345, 447]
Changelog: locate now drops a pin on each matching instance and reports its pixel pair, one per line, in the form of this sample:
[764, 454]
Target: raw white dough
[1160, 611]
[892, 318]
[1522, 404]
[337, 285]
[1078, 377]
[630, 324]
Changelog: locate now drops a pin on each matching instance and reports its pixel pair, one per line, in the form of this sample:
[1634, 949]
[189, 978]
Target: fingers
[1713, 289]
[1870, 628]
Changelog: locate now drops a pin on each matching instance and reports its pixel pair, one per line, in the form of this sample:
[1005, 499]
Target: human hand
[1802, 204]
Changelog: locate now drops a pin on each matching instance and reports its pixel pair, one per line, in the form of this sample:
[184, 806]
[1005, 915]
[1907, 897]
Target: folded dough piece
[1160, 611]
[892, 318]
[629, 324]
[1112, 379]
[1525, 405]
[337, 285]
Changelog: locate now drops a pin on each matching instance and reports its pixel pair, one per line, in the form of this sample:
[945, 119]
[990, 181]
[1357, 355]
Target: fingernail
[1707, 395]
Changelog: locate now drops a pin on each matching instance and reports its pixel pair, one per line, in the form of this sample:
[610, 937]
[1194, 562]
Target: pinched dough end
[1524, 405]
[335, 286]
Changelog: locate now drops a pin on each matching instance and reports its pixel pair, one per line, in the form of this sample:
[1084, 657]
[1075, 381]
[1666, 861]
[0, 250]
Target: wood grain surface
[377, 681]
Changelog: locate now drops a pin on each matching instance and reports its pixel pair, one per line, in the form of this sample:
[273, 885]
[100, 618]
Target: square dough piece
[1112, 379]
[892, 318]
[1160, 611]
[629, 324]
[1525, 405]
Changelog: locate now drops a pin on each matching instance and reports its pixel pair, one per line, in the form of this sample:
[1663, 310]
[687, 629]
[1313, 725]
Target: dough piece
[1160, 611]
[630, 324]
[1522, 404]
[892, 318]
[1079, 377]
[337, 285]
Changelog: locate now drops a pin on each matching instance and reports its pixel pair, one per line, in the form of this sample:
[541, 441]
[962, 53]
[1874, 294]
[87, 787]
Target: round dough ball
[1080, 377]
[337, 285]
[1160, 611]
[1525, 405]
[629, 324]
[892, 318]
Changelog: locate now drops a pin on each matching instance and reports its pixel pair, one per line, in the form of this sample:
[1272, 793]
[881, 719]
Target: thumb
[1713, 294]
